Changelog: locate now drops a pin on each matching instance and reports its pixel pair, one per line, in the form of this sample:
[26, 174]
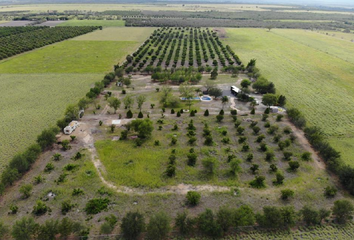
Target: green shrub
[57, 156]
[40, 208]
[287, 155]
[306, 156]
[140, 115]
[210, 164]
[330, 191]
[25, 190]
[49, 167]
[258, 182]
[129, 114]
[279, 117]
[66, 207]
[249, 157]
[96, 205]
[192, 159]
[208, 225]
[294, 165]
[233, 112]
[279, 178]
[219, 118]
[206, 113]
[77, 192]
[193, 198]
[286, 194]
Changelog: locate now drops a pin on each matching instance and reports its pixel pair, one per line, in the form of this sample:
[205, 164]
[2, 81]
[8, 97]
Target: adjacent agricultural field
[103, 23]
[37, 37]
[313, 71]
[36, 86]
[71, 57]
[31, 102]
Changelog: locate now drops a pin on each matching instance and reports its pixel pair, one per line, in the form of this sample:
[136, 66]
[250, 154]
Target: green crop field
[138, 34]
[31, 102]
[103, 23]
[314, 71]
[70, 57]
[37, 86]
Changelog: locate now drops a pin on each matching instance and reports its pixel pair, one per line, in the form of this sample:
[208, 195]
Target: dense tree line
[331, 156]
[207, 22]
[22, 42]
[7, 31]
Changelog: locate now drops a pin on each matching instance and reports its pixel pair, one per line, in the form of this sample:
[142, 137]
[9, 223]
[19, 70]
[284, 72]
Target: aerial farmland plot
[317, 67]
[176, 132]
[59, 74]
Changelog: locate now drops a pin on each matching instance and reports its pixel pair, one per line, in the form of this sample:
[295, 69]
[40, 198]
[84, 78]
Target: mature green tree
[114, 103]
[140, 100]
[224, 218]
[214, 74]
[245, 83]
[24, 229]
[188, 93]
[269, 99]
[208, 225]
[184, 223]
[144, 127]
[132, 225]
[244, 216]
[159, 226]
[72, 112]
[48, 230]
[47, 137]
[215, 92]
[119, 72]
[9, 176]
[128, 101]
[20, 163]
[343, 210]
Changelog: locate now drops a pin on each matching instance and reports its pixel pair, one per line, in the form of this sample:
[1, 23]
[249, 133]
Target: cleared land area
[312, 70]
[36, 87]
[103, 23]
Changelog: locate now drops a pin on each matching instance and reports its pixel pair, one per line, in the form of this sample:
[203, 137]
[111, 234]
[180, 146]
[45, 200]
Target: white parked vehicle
[71, 127]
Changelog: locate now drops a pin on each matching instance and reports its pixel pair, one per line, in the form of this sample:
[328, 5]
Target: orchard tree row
[7, 31]
[181, 47]
[22, 42]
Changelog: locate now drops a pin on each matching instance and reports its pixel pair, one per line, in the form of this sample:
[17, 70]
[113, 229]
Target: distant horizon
[328, 3]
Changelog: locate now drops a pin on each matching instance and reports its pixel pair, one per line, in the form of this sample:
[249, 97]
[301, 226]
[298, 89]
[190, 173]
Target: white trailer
[71, 127]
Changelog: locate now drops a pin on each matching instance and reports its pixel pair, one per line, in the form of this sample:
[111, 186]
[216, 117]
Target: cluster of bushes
[15, 44]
